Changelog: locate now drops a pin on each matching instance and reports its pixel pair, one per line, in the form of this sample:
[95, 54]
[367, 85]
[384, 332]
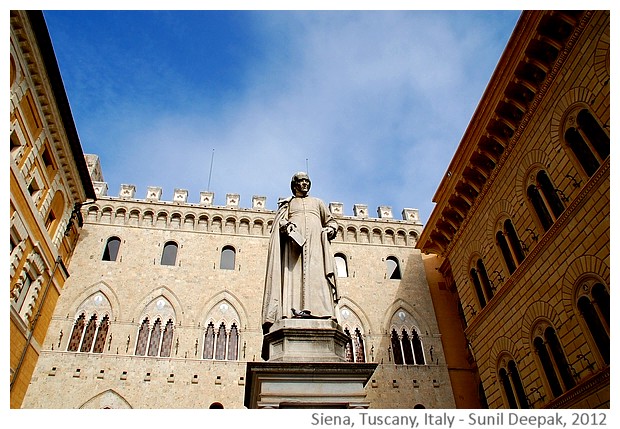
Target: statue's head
[300, 184]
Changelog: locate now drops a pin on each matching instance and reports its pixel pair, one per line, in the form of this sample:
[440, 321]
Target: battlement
[206, 199]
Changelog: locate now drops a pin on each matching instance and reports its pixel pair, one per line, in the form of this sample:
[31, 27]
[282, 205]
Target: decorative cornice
[58, 96]
[507, 123]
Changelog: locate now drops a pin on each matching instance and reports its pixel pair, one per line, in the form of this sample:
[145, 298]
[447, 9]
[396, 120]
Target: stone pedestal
[306, 340]
[307, 368]
[307, 385]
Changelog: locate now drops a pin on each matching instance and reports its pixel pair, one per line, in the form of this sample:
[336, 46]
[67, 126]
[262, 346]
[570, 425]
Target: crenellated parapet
[180, 196]
[231, 218]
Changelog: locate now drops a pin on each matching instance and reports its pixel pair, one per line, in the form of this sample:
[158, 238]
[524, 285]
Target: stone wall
[195, 291]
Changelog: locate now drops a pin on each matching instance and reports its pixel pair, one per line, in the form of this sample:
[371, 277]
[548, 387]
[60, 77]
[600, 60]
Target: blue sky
[373, 102]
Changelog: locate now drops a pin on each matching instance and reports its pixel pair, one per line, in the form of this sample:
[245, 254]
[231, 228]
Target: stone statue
[301, 272]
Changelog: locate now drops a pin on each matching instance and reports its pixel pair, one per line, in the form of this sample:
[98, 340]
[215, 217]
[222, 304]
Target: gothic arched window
[155, 341]
[166, 340]
[88, 337]
[397, 350]
[143, 338]
[416, 343]
[76, 334]
[354, 348]
[155, 338]
[360, 354]
[220, 343]
[209, 342]
[233, 343]
[102, 333]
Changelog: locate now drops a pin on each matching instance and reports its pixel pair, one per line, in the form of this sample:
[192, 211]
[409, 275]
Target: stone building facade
[163, 306]
[521, 226]
[49, 181]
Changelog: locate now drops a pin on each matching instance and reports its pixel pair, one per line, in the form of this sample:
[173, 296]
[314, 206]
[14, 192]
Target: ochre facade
[521, 226]
[48, 180]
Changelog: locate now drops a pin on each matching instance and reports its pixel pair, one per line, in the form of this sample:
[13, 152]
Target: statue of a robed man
[301, 272]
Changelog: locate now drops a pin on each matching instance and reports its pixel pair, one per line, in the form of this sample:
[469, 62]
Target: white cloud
[376, 102]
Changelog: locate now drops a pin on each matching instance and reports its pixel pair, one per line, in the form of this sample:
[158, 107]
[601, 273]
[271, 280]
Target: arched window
[88, 337]
[593, 305]
[513, 239]
[482, 284]
[220, 343]
[221, 334]
[169, 255]
[102, 333]
[553, 362]
[545, 200]
[588, 140]
[512, 385]
[358, 345]
[155, 341]
[407, 348]
[233, 343]
[111, 249]
[209, 342]
[397, 350]
[393, 268]
[405, 341]
[354, 348]
[155, 338]
[510, 246]
[143, 338]
[341, 265]
[348, 347]
[416, 343]
[166, 340]
[227, 258]
[76, 334]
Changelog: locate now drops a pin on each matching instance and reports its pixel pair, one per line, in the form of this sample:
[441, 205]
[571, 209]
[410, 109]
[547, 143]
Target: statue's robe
[297, 277]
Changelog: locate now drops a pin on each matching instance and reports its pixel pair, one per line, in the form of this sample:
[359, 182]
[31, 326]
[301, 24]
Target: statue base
[306, 340]
[318, 385]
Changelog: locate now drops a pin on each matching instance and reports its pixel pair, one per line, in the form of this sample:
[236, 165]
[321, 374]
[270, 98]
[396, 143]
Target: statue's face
[301, 186]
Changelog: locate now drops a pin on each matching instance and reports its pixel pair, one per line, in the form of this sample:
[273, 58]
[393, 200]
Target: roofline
[516, 87]
[39, 28]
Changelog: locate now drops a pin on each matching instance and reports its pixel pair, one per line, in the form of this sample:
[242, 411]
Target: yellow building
[49, 180]
[521, 224]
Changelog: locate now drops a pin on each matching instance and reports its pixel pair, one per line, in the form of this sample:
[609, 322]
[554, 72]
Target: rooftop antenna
[210, 171]
[307, 172]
